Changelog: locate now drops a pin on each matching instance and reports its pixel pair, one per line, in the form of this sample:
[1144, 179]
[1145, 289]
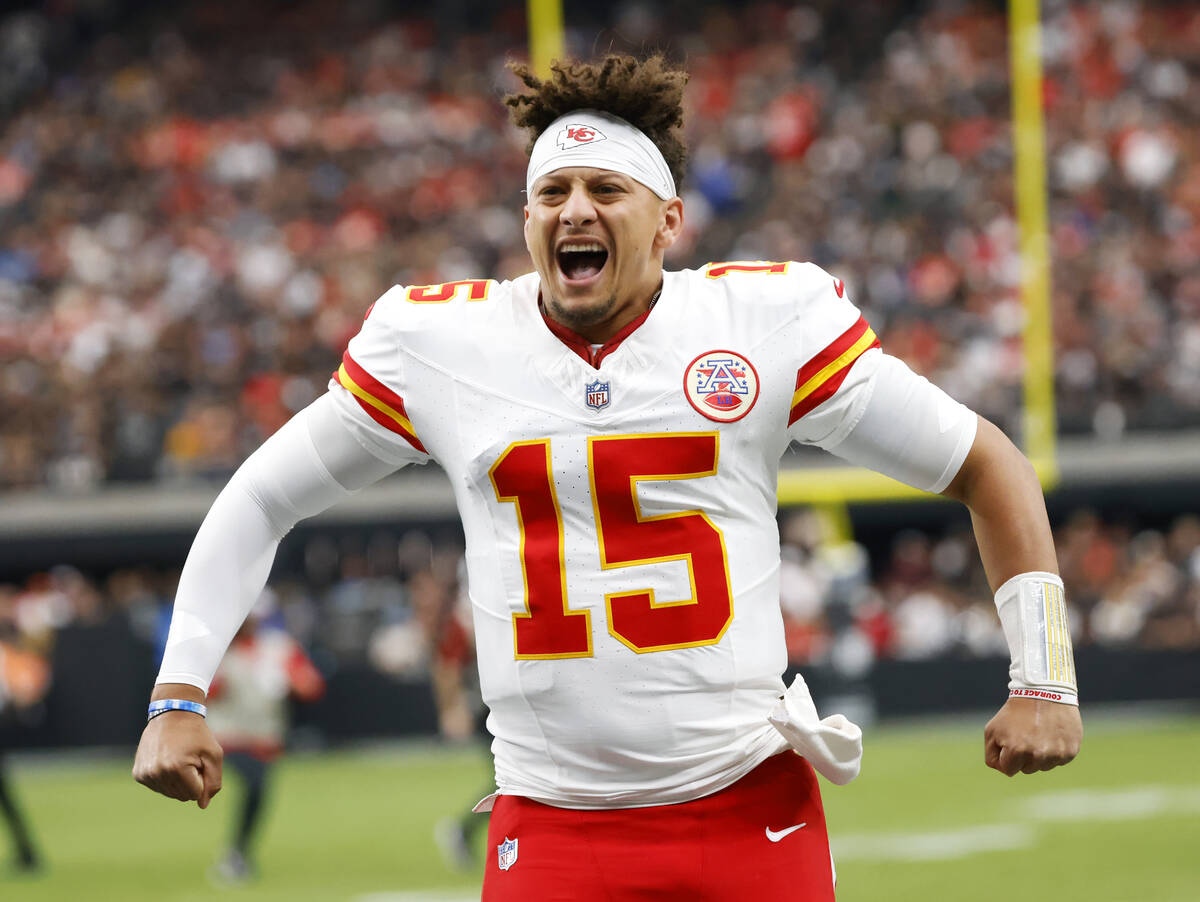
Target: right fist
[179, 758]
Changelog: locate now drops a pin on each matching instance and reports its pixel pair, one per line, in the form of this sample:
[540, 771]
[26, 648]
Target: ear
[525, 227]
[670, 226]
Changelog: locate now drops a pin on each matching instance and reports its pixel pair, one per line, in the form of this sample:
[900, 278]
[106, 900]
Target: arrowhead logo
[577, 136]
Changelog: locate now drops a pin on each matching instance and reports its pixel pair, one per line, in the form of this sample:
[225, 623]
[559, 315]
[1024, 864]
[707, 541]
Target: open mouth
[580, 261]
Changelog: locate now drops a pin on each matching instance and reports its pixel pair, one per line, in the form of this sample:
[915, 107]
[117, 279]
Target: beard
[579, 319]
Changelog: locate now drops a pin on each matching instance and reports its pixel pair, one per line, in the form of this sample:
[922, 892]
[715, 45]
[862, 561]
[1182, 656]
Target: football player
[613, 432]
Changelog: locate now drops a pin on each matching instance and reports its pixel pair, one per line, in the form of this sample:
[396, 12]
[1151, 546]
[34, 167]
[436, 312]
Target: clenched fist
[177, 755]
[1028, 735]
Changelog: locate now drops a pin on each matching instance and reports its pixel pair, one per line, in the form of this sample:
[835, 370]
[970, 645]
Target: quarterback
[612, 432]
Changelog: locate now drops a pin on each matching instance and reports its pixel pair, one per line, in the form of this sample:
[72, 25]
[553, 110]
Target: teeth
[581, 246]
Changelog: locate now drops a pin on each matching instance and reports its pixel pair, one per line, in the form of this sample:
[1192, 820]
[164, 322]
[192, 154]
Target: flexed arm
[889, 419]
[307, 466]
[1039, 727]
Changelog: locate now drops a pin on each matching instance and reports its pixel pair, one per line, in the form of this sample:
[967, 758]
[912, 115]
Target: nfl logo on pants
[506, 853]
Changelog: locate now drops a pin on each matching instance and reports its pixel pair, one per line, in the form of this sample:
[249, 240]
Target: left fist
[1028, 735]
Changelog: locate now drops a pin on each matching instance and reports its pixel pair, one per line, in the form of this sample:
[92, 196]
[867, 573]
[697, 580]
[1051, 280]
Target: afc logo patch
[506, 853]
[597, 395]
[721, 385]
[577, 136]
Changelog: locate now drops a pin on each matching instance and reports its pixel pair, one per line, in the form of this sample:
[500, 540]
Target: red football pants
[727, 846]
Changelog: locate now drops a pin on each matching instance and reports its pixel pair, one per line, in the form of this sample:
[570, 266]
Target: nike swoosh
[775, 836]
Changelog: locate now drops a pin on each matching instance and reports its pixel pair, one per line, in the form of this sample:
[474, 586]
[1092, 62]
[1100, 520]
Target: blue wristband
[163, 705]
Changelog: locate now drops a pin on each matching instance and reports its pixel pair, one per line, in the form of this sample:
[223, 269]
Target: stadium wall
[362, 703]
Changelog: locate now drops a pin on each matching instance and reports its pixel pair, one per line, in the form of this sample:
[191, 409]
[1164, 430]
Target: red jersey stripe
[819, 379]
[832, 352]
[372, 385]
[379, 402]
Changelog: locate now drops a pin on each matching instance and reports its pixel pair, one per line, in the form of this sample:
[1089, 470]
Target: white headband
[593, 138]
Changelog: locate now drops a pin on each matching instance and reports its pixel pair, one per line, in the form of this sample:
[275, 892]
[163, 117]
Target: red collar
[583, 347]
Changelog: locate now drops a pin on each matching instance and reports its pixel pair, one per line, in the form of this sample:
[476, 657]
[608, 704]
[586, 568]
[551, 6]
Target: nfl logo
[597, 395]
[506, 853]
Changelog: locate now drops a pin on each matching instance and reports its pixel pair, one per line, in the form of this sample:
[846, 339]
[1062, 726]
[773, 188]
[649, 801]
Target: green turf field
[925, 821]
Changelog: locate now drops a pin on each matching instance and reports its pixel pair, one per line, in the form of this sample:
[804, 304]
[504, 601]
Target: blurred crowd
[395, 605]
[928, 596]
[198, 206]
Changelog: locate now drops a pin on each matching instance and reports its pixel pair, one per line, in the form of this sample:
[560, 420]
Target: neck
[608, 326]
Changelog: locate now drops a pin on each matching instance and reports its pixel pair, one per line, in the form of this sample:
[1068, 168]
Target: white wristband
[1033, 612]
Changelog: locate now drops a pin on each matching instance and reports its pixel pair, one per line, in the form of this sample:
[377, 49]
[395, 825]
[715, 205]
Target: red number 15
[548, 628]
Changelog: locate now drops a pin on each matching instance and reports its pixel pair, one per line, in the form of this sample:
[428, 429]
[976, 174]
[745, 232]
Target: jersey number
[718, 270]
[476, 289]
[549, 628]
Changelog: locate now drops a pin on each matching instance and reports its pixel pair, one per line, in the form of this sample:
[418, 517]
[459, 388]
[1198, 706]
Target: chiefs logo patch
[577, 136]
[721, 385]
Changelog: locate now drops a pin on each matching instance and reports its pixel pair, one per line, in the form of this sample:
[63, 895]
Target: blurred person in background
[804, 585]
[435, 605]
[824, 580]
[436, 641]
[248, 713]
[24, 681]
[579, 411]
[456, 669]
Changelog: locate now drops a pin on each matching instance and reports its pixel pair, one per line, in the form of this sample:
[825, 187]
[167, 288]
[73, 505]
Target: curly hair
[646, 93]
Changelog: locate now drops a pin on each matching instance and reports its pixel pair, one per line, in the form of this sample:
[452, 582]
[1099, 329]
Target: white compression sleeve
[909, 429]
[304, 468]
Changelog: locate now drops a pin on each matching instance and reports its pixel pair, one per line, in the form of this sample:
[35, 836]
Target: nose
[578, 209]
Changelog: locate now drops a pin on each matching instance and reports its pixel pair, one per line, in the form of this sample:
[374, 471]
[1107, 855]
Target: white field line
[1126, 803]
[939, 846]
[1091, 805]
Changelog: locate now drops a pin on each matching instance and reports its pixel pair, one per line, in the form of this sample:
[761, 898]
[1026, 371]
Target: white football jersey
[622, 549]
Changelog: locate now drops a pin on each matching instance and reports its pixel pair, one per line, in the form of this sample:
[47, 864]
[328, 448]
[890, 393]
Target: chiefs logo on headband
[578, 135]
